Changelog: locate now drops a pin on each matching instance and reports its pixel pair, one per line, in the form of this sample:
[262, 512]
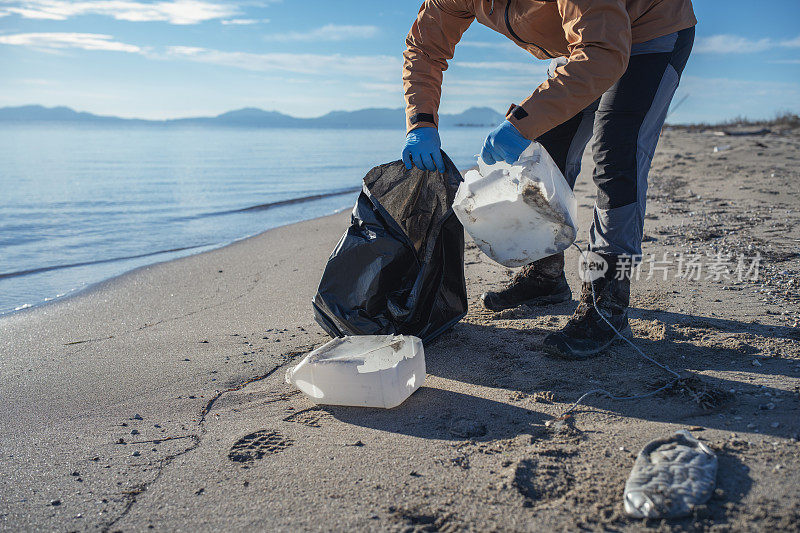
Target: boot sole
[582, 355]
[539, 301]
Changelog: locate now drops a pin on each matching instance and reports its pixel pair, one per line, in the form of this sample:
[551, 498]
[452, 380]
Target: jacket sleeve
[598, 34]
[430, 43]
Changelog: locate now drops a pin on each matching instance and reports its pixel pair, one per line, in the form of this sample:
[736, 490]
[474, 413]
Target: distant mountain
[474, 116]
[252, 117]
[248, 117]
[375, 117]
[35, 113]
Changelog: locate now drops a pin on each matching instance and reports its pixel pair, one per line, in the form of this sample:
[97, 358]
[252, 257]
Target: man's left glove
[424, 149]
[504, 143]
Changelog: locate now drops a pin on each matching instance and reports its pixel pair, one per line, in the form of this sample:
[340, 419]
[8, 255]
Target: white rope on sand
[604, 392]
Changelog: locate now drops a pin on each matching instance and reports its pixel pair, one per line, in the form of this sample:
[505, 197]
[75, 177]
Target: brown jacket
[596, 36]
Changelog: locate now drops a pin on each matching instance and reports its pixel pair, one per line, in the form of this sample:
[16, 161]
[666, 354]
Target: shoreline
[76, 292]
[129, 406]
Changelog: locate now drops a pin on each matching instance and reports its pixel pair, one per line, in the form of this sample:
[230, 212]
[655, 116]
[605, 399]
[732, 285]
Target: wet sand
[157, 399]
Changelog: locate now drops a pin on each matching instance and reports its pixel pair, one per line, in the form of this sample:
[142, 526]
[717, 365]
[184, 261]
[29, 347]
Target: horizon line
[398, 109]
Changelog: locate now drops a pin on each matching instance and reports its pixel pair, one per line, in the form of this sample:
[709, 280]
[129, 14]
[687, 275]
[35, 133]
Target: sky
[178, 58]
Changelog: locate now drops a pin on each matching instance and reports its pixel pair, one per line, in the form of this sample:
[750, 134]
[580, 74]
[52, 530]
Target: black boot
[587, 334]
[539, 283]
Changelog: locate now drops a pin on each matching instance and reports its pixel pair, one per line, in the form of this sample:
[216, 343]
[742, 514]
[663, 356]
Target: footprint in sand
[311, 417]
[467, 428]
[544, 478]
[257, 445]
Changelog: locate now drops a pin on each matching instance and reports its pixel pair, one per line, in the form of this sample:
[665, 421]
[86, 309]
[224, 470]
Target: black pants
[624, 125]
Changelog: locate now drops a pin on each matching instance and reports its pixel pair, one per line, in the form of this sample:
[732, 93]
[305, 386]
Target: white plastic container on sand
[367, 371]
[518, 213]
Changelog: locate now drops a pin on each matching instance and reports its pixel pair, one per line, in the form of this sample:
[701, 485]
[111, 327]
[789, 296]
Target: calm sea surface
[80, 204]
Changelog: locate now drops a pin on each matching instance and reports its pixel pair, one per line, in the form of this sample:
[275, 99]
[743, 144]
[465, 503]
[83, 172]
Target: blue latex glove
[423, 149]
[504, 143]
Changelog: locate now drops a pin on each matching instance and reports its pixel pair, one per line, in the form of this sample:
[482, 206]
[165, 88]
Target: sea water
[82, 203]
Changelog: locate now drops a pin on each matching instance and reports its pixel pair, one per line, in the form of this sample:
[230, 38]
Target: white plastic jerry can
[518, 213]
[367, 371]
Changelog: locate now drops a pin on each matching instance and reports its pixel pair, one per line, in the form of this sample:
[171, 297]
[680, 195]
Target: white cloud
[243, 22]
[172, 11]
[38, 82]
[714, 99]
[369, 67]
[383, 86]
[791, 43]
[504, 89]
[736, 86]
[484, 44]
[329, 32]
[59, 41]
[731, 44]
[530, 67]
[736, 44]
[376, 68]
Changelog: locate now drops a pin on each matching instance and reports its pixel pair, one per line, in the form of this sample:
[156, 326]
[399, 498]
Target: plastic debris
[367, 371]
[518, 213]
[671, 476]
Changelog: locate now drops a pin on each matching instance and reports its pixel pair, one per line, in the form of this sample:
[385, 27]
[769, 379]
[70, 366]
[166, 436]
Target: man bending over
[616, 66]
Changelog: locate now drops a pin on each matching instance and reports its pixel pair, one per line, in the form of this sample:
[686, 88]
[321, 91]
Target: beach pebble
[767, 406]
[55, 503]
[137, 416]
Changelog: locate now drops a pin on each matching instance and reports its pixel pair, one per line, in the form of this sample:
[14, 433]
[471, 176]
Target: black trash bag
[399, 268]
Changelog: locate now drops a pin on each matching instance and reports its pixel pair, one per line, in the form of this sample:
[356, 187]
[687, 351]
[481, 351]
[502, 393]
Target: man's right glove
[504, 143]
[423, 150]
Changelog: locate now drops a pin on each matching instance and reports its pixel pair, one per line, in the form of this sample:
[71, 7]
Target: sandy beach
[130, 406]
